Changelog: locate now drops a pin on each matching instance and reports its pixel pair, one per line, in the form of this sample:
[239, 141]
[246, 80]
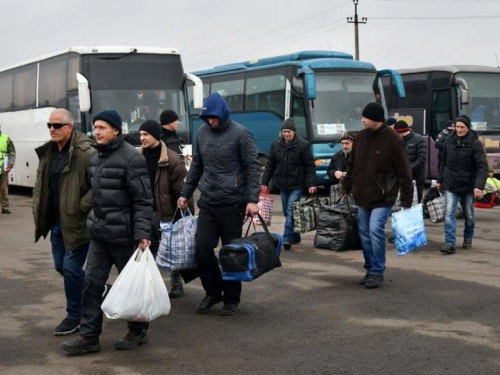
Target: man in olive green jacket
[62, 199]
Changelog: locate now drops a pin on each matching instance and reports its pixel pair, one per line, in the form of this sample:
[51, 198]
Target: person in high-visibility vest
[7, 160]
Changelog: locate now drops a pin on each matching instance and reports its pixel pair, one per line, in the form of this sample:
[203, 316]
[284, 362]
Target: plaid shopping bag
[437, 209]
[265, 207]
[305, 213]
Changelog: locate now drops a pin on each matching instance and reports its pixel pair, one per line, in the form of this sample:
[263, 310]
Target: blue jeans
[70, 266]
[287, 199]
[450, 219]
[371, 227]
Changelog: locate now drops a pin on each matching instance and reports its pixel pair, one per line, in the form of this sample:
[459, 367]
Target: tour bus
[435, 95]
[138, 82]
[324, 92]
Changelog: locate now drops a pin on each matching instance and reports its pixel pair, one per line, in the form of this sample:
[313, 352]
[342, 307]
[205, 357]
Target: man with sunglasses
[61, 203]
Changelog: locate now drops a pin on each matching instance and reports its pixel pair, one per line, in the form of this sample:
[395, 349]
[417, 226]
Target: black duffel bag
[337, 227]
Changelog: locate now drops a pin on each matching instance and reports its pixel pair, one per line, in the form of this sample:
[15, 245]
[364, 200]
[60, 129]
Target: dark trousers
[420, 189]
[101, 257]
[214, 221]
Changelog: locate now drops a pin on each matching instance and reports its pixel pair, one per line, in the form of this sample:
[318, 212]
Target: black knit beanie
[289, 124]
[152, 127]
[374, 111]
[168, 116]
[465, 119]
[111, 117]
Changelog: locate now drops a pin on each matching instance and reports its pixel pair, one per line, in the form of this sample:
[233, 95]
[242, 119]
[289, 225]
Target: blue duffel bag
[249, 257]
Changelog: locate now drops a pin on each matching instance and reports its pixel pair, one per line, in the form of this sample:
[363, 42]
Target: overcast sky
[209, 33]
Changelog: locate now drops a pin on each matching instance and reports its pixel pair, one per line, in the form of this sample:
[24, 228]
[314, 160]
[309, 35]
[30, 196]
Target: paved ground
[435, 314]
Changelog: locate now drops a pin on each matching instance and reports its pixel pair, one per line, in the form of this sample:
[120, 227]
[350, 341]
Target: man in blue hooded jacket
[226, 169]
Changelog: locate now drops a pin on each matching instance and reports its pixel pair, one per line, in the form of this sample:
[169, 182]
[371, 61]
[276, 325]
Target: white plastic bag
[139, 293]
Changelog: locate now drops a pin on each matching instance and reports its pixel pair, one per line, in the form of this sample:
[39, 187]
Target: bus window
[73, 68]
[232, 92]
[440, 111]
[299, 115]
[25, 87]
[73, 107]
[266, 94]
[6, 80]
[52, 86]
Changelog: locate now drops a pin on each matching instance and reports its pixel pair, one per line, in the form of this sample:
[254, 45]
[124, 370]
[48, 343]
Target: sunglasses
[56, 125]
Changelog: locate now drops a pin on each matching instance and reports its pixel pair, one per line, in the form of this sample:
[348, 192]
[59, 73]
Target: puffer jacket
[464, 166]
[292, 164]
[122, 202]
[75, 194]
[225, 165]
[377, 169]
[416, 147]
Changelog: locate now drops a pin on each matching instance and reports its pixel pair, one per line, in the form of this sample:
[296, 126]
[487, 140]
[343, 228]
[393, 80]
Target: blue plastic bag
[408, 229]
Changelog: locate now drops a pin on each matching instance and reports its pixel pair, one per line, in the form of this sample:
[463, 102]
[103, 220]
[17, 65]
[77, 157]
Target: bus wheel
[263, 162]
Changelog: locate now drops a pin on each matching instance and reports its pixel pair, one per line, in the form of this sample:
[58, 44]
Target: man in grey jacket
[226, 170]
[120, 220]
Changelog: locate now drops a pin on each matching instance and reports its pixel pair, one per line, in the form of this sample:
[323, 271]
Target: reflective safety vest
[3, 149]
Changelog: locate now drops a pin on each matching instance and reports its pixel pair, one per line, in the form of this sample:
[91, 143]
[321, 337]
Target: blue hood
[215, 106]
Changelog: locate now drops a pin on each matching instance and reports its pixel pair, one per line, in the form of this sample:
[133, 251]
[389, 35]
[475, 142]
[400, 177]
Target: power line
[270, 32]
[266, 49]
[439, 1]
[435, 18]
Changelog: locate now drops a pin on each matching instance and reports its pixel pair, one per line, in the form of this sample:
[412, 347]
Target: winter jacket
[338, 163]
[225, 165]
[168, 183]
[75, 194]
[377, 169]
[6, 149]
[122, 202]
[464, 166]
[292, 164]
[416, 148]
[172, 140]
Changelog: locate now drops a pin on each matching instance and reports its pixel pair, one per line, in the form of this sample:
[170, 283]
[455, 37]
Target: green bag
[305, 214]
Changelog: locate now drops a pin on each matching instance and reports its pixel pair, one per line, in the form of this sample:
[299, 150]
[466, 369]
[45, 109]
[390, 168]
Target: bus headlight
[322, 161]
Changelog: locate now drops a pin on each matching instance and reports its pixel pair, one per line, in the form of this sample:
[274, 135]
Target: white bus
[138, 82]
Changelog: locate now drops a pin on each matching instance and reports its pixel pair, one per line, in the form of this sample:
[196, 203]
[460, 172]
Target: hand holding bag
[265, 207]
[139, 293]
[408, 229]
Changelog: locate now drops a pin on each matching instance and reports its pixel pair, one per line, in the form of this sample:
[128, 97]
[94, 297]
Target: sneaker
[467, 243]
[448, 248]
[207, 303]
[67, 327]
[107, 288]
[131, 340]
[82, 345]
[363, 280]
[176, 291]
[373, 281]
[229, 309]
[287, 245]
[6, 211]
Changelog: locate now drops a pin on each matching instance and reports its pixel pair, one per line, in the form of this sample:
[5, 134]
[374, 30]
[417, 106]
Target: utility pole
[356, 21]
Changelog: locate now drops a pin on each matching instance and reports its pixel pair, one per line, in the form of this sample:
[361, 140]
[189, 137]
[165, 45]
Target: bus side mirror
[310, 81]
[83, 93]
[197, 90]
[464, 96]
[396, 79]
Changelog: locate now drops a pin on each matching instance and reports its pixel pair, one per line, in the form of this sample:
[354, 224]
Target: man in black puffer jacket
[291, 162]
[463, 174]
[226, 169]
[416, 148]
[120, 220]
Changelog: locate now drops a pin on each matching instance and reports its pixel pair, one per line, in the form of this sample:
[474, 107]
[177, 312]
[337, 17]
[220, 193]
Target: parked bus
[435, 95]
[324, 91]
[138, 82]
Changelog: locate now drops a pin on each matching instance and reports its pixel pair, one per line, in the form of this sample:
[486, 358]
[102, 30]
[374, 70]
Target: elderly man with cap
[170, 124]
[167, 173]
[291, 162]
[441, 139]
[338, 164]
[463, 174]
[120, 220]
[377, 169]
[416, 148]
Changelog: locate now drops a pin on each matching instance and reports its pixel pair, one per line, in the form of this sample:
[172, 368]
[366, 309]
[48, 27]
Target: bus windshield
[340, 99]
[139, 87]
[484, 101]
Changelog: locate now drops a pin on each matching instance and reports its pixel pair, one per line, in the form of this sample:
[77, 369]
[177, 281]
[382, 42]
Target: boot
[176, 288]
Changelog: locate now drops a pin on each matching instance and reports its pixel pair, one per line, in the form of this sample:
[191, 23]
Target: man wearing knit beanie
[119, 222]
[291, 162]
[166, 173]
[378, 169]
[170, 124]
[391, 121]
